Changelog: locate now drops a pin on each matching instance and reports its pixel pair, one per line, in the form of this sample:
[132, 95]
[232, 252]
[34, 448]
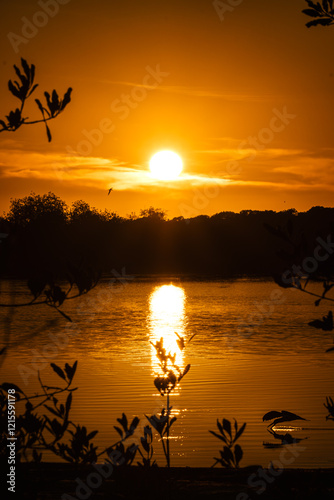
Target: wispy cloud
[197, 91]
[271, 168]
[91, 171]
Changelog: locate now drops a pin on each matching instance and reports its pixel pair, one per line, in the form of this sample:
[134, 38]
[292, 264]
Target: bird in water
[280, 417]
[284, 438]
[180, 341]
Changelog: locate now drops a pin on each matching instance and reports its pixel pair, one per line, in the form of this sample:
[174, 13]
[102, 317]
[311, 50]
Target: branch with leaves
[53, 430]
[232, 453]
[165, 384]
[292, 274]
[45, 289]
[323, 13]
[22, 89]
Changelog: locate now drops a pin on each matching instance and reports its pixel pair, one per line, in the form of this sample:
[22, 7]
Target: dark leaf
[238, 453]
[227, 426]
[312, 12]
[120, 432]
[219, 436]
[6, 386]
[48, 133]
[91, 435]
[134, 424]
[322, 22]
[51, 410]
[240, 431]
[68, 403]
[227, 454]
[58, 370]
[172, 421]
[66, 99]
[220, 427]
[325, 5]
[33, 89]
[14, 89]
[145, 444]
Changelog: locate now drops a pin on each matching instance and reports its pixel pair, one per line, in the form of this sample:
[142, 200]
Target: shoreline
[51, 481]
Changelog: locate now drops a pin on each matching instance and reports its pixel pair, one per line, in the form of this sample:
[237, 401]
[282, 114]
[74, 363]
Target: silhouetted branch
[22, 90]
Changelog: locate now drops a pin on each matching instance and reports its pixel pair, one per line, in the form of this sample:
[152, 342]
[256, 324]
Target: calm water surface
[253, 352]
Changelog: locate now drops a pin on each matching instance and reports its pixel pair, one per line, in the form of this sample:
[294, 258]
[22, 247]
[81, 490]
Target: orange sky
[247, 102]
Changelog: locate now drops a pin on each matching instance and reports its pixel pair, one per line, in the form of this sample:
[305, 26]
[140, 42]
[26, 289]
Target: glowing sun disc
[166, 165]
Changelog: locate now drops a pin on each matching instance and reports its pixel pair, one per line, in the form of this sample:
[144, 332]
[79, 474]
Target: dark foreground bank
[66, 482]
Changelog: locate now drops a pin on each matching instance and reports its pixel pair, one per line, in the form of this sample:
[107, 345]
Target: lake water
[253, 352]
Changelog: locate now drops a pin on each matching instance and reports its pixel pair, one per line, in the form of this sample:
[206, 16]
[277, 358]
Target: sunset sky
[244, 97]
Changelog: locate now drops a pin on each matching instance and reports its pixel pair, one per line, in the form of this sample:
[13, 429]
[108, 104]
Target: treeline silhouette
[47, 236]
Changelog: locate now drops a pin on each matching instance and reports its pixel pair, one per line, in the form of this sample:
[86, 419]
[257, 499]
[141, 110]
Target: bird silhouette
[180, 341]
[284, 438]
[283, 416]
[111, 189]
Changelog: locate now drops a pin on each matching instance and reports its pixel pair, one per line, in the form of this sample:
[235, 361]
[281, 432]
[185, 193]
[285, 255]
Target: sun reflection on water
[166, 318]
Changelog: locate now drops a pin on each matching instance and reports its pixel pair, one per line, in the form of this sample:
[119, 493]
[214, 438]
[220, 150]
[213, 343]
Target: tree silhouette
[34, 208]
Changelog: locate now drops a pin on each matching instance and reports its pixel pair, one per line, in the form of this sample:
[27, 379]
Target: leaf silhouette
[58, 370]
[238, 453]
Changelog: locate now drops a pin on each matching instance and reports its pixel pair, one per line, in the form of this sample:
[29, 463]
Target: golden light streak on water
[167, 316]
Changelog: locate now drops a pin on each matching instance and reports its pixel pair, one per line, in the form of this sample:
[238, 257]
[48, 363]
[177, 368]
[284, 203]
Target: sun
[166, 165]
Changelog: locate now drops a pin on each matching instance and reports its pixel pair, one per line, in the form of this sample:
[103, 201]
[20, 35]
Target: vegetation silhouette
[330, 407]
[46, 236]
[171, 375]
[22, 89]
[307, 257]
[232, 453]
[323, 13]
[54, 431]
